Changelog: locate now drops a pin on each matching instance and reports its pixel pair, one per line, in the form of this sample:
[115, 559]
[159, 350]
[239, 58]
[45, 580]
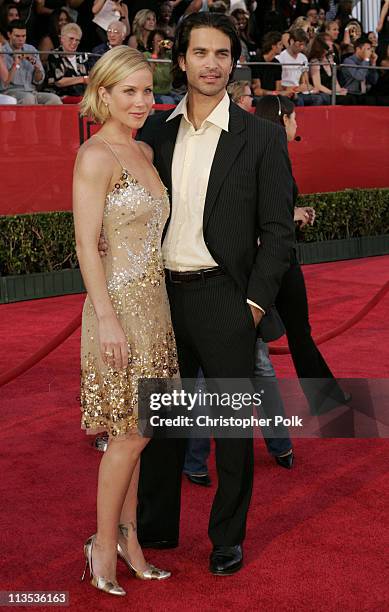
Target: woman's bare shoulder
[95, 158]
[147, 150]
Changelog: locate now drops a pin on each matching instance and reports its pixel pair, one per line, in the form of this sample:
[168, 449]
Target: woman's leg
[129, 538]
[292, 305]
[317, 381]
[115, 475]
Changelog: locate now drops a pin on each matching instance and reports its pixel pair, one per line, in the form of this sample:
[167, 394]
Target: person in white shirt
[295, 70]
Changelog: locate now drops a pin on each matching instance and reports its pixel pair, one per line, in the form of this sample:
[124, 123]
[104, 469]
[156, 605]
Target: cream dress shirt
[184, 248]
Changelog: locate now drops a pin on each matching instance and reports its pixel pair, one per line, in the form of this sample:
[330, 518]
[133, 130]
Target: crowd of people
[297, 41]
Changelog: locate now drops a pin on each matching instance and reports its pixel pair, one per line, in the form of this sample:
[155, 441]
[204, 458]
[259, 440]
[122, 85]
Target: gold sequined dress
[133, 222]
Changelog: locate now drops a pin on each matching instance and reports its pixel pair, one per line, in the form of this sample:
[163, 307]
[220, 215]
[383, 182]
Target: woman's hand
[304, 215]
[113, 343]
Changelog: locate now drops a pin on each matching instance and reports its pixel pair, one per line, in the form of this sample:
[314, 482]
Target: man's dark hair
[196, 21]
[363, 40]
[269, 40]
[299, 35]
[16, 24]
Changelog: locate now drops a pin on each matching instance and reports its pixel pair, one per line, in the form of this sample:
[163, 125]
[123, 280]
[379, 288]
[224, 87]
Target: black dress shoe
[286, 461]
[225, 560]
[158, 544]
[203, 480]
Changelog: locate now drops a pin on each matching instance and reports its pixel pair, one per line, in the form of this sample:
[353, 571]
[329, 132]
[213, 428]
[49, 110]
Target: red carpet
[317, 536]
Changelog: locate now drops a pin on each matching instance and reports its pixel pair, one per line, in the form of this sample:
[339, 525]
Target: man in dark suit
[229, 180]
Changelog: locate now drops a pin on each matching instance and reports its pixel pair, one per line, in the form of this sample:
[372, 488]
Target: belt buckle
[171, 280]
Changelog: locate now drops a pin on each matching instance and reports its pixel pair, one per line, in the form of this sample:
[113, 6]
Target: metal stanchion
[334, 70]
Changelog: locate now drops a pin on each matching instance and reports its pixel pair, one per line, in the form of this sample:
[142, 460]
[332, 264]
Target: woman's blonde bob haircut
[112, 67]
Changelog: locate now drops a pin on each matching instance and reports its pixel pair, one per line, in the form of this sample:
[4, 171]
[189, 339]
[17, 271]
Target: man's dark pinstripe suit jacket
[250, 192]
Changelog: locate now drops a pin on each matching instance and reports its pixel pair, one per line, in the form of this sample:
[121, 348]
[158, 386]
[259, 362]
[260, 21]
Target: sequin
[136, 286]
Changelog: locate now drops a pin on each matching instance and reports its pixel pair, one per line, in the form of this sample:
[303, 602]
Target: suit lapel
[168, 137]
[228, 148]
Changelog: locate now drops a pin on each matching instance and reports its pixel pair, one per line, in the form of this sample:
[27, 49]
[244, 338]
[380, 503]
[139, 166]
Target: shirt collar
[220, 116]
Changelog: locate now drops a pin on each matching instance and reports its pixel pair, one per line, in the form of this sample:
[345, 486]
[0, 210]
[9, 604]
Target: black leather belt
[196, 275]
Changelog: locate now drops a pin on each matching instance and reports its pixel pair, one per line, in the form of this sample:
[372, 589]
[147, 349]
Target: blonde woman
[126, 327]
[145, 21]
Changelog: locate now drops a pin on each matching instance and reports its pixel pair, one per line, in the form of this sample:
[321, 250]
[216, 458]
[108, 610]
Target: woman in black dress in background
[322, 391]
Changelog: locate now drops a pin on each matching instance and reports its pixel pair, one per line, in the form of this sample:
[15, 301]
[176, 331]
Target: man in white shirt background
[295, 70]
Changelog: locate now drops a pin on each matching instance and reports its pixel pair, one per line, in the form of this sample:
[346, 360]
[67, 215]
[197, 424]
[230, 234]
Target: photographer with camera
[160, 49]
[25, 70]
[358, 78]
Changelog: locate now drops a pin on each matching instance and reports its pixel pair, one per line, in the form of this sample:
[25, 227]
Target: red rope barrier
[43, 352]
[274, 350]
[284, 350]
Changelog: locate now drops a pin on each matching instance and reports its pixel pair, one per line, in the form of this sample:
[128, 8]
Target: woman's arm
[316, 80]
[3, 68]
[97, 6]
[383, 15]
[123, 10]
[132, 42]
[75, 3]
[41, 9]
[91, 181]
[68, 81]
[194, 7]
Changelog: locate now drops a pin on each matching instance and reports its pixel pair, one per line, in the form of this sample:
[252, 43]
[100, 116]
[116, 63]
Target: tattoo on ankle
[124, 528]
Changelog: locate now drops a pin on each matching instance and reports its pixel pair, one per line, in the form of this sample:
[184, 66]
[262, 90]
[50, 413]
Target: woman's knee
[130, 444]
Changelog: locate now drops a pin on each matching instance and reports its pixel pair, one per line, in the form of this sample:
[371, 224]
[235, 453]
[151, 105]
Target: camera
[166, 44]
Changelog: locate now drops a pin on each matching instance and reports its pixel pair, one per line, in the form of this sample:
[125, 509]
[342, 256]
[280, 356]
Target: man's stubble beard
[207, 91]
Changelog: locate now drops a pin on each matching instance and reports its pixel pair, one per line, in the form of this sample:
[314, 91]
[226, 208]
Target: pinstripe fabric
[215, 330]
[249, 195]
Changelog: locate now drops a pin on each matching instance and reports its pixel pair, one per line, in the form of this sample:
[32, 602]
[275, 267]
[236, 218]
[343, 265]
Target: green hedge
[41, 242]
[347, 214]
[44, 242]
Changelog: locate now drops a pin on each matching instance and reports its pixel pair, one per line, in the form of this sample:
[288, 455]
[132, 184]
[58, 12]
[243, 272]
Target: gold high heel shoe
[151, 573]
[108, 586]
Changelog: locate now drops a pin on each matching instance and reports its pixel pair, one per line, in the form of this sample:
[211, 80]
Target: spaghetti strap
[112, 151]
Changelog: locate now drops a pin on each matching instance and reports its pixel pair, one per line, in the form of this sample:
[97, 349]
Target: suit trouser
[214, 330]
[198, 449]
